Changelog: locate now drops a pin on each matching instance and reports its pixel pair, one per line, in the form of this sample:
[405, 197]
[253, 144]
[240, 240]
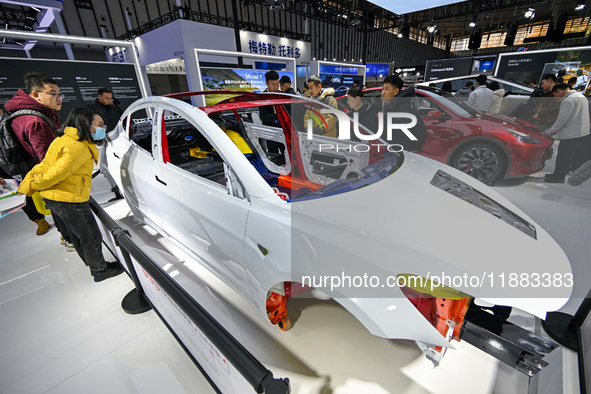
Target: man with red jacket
[35, 134]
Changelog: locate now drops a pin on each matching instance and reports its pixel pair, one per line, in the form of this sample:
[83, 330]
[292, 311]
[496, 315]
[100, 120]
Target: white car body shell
[434, 232]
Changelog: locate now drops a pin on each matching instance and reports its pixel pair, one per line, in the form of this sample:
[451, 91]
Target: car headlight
[528, 139]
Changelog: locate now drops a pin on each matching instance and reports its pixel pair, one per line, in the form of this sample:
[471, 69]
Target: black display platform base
[133, 303]
[558, 326]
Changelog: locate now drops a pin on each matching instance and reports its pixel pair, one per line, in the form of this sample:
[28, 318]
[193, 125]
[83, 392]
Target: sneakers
[70, 247]
[42, 226]
[109, 272]
[62, 240]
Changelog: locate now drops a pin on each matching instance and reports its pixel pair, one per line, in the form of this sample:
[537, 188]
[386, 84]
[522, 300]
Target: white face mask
[99, 133]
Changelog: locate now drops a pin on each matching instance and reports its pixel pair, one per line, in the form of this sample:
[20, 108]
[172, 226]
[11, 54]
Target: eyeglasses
[55, 95]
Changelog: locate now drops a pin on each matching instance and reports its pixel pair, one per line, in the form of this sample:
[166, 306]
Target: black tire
[480, 160]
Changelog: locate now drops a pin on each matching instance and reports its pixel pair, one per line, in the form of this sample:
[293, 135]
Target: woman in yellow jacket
[63, 179]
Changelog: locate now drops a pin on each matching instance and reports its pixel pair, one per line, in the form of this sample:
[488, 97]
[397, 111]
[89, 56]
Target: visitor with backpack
[35, 132]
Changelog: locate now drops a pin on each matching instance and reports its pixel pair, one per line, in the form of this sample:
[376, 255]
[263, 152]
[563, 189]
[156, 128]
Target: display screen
[376, 69]
[483, 64]
[339, 81]
[447, 68]
[301, 71]
[237, 79]
[78, 80]
[335, 69]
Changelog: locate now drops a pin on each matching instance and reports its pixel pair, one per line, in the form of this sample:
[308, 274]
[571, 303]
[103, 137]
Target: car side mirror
[435, 114]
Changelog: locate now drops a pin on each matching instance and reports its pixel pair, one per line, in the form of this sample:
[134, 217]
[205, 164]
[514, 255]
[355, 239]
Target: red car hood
[510, 122]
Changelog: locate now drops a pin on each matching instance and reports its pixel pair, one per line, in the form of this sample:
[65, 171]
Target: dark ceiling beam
[467, 8]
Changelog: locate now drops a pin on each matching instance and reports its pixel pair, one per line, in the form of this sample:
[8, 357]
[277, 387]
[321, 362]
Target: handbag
[40, 204]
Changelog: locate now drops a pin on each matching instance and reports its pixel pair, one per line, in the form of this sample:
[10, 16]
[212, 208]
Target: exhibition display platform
[61, 331]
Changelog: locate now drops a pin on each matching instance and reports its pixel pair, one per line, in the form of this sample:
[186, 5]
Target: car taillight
[442, 306]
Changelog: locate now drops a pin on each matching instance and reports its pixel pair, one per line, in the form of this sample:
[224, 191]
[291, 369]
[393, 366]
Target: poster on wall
[234, 79]
[78, 81]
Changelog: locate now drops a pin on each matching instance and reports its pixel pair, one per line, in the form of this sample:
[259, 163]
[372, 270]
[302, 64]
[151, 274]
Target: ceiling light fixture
[431, 29]
[530, 13]
[472, 24]
[580, 7]
[400, 35]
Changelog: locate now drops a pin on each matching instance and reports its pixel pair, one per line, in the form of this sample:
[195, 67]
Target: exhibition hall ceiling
[404, 7]
[117, 18]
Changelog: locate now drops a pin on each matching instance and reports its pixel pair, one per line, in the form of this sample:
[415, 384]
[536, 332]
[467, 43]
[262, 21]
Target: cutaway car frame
[264, 206]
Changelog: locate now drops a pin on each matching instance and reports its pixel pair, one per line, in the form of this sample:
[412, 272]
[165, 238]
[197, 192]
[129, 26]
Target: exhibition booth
[169, 279]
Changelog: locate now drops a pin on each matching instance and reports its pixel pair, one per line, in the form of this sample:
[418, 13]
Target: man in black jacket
[394, 99]
[267, 112]
[106, 107]
[285, 85]
[367, 109]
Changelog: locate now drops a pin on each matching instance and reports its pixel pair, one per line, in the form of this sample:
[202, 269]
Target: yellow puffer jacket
[65, 173]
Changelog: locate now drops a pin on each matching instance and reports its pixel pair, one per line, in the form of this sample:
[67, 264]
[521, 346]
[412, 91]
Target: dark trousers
[61, 227]
[84, 232]
[31, 210]
[572, 153]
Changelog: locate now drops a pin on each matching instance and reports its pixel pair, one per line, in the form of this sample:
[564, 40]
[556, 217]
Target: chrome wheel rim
[480, 162]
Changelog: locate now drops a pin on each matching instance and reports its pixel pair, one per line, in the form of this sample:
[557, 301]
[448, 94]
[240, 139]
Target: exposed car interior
[191, 151]
[140, 132]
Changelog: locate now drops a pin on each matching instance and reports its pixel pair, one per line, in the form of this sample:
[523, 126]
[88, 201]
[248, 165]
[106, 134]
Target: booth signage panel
[264, 44]
[225, 376]
[167, 67]
[525, 67]
[79, 81]
[447, 68]
[117, 55]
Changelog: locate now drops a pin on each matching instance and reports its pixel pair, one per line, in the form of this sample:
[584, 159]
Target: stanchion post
[135, 301]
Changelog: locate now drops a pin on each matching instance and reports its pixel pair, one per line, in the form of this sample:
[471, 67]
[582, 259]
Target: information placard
[78, 80]
[447, 68]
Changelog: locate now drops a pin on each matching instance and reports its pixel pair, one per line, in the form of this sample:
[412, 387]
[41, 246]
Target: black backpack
[14, 159]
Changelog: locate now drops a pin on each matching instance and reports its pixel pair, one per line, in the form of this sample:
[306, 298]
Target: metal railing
[203, 17]
[259, 377]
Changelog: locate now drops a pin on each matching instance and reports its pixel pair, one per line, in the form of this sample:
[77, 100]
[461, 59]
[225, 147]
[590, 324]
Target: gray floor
[63, 333]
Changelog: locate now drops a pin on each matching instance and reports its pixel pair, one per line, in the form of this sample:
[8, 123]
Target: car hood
[406, 225]
[509, 122]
